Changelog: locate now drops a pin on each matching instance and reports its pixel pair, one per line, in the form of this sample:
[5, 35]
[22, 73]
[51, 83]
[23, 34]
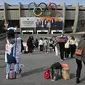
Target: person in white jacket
[17, 53]
[41, 44]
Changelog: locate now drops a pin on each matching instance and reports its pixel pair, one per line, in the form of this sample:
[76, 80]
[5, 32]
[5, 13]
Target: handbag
[79, 52]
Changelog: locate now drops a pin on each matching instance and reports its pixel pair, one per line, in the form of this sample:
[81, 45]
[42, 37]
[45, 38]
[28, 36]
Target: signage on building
[28, 22]
[33, 22]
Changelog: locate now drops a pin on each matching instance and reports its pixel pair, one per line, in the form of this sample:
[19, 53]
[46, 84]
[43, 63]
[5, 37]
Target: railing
[2, 36]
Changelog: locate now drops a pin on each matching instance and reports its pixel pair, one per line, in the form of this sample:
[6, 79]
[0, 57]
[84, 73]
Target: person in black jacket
[30, 45]
[54, 67]
[22, 47]
[62, 46]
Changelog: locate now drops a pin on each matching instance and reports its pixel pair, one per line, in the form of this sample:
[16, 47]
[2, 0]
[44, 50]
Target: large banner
[33, 22]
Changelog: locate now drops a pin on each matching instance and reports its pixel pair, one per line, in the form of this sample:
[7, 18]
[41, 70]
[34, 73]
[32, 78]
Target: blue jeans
[16, 66]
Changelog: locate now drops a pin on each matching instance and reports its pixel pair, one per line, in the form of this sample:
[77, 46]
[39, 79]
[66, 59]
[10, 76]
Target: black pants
[72, 50]
[54, 72]
[79, 67]
[41, 47]
[30, 50]
[62, 54]
[67, 51]
[55, 67]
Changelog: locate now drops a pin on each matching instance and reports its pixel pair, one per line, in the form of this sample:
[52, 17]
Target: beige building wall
[72, 12]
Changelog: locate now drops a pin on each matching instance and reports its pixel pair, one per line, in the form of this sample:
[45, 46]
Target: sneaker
[65, 58]
[6, 76]
[61, 59]
[77, 80]
[53, 80]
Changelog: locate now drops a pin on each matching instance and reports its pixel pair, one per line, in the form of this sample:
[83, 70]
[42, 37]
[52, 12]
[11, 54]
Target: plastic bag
[56, 51]
[65, 73]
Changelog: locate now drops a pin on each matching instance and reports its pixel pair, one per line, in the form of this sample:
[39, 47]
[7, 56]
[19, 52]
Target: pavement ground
[35, 65]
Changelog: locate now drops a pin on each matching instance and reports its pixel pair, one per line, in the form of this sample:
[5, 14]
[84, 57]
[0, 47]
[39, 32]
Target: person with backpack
[13, 52]
[9, 50]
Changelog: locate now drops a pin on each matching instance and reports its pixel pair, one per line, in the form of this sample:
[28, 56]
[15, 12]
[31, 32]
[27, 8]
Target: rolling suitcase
[12, 73]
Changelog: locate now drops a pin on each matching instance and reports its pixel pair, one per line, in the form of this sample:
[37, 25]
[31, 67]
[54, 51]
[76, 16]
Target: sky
[68, 2]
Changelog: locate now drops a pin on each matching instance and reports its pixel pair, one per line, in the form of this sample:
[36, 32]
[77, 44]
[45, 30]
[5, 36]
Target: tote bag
[56, 51]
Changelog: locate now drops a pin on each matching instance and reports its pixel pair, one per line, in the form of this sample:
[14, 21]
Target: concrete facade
[73, 15]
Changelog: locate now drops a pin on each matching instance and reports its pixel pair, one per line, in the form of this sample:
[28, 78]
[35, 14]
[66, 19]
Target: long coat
[81, 46]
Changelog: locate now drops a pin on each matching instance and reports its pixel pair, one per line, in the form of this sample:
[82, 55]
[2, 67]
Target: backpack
[47, 74]
[10, 58]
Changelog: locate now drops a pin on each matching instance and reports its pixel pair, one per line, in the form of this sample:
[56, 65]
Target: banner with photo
[33, 22]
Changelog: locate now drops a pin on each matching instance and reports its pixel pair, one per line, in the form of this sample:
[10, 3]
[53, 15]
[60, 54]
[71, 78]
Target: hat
[11, 28]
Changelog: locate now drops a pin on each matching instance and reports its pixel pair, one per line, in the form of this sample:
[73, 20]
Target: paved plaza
[35, 65]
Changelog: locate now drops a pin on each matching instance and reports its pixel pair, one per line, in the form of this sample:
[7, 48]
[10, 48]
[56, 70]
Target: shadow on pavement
[83, 79]
[72, 75]
[38, 70]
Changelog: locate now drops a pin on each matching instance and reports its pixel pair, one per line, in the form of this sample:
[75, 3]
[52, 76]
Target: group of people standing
[67, 46]
[42, 44]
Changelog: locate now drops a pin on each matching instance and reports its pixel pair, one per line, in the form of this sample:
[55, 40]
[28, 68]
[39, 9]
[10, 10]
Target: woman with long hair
[80, 59]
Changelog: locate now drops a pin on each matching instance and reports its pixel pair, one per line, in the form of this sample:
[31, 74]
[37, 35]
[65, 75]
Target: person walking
[80, 59]
[67, 49]
[61, 41]
[72, 46]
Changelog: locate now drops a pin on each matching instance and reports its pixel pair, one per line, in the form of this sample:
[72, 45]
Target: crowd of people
[63, 46]
[66, 45]
[42, 44]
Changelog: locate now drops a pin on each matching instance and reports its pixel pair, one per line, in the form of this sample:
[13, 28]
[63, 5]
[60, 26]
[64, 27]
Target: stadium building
[69, 18]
